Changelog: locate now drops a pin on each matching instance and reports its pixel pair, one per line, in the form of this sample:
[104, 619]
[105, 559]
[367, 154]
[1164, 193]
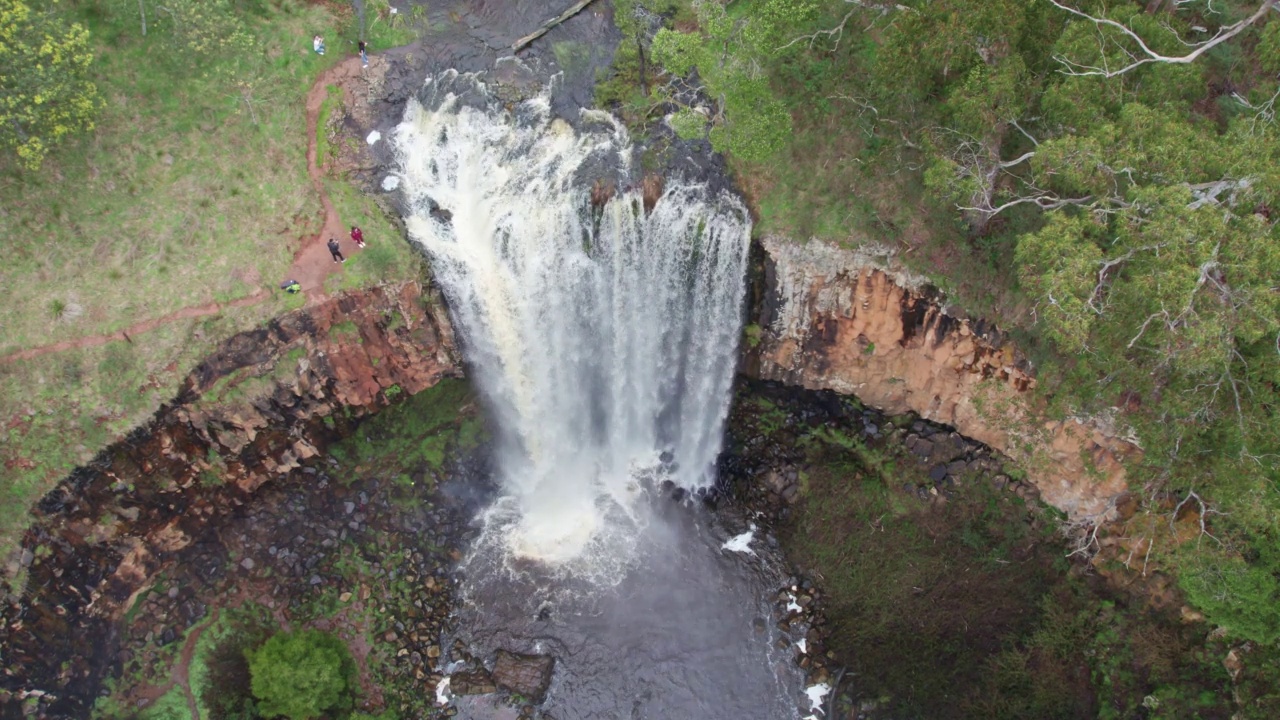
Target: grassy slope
[182, 196]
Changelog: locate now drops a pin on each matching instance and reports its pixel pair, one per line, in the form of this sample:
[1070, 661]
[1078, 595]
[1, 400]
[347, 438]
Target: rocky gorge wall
[843, 320]
[265, 401]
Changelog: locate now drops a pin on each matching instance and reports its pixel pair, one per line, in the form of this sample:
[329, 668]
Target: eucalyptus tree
[46, 92]
[727, 59]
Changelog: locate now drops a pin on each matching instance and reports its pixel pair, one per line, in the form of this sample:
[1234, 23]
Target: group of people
[357, 237]
[293, 287]
[317, 44]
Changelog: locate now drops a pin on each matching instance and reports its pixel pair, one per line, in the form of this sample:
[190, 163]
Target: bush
[302, 675]
[1241, 596]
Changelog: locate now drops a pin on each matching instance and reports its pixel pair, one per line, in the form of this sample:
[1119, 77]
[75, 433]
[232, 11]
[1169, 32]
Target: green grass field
[192, 189]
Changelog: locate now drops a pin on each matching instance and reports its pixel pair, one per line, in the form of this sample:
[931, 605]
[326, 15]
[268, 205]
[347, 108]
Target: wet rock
[937, 473]
[476, 682]
[527, 675]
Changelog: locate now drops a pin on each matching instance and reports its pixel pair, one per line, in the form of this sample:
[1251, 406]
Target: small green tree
[45, 91]
[302, 675]
[1241, 596]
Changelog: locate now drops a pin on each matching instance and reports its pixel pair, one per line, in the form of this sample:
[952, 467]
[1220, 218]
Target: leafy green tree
[45, 90]
[728, 54]
[1241, 596]
[302, 675]
[1133, 148]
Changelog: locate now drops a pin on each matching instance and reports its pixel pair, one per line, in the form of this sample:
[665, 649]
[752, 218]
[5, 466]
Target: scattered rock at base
[476, 682]
[527, 675]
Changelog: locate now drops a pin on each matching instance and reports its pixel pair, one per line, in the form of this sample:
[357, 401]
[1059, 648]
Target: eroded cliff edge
[849, 321]
[251, 413]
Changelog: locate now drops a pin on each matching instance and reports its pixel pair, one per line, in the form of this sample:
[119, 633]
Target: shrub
[302, 675]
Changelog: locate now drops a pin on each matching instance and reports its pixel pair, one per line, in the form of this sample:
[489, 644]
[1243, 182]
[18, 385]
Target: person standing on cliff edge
[357, 236]
[335, 251]
[364, 54]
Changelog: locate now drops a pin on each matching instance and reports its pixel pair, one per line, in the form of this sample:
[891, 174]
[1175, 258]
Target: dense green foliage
[962, 605]
[416, 433]
[45, 89]
[301, 675]
[1125, 221]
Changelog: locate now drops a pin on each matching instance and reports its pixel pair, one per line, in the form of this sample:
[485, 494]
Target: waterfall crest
[603, 339]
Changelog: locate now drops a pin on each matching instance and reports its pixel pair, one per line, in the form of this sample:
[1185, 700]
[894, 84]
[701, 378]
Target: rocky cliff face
[843, 320]
[265, 401]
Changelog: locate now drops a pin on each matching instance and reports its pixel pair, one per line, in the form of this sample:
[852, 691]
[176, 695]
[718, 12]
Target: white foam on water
[390, 182]
[373, 137]
[604, 340]
[792, 605]
[803, 644]
[817, 695]
[741, 543]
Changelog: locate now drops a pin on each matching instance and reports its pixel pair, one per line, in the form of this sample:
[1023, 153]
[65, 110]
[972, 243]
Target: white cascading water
[605, 341]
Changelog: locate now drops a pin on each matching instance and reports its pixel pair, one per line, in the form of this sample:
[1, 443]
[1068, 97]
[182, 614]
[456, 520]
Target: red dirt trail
[312, 262]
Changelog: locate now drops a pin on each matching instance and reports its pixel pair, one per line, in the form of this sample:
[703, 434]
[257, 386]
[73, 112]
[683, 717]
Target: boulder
[527, 675]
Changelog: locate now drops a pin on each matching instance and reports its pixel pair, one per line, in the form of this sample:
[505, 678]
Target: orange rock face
[841, 320]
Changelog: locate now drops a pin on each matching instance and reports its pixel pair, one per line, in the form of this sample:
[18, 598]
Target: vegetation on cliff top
[1050, 166]
[191, 188]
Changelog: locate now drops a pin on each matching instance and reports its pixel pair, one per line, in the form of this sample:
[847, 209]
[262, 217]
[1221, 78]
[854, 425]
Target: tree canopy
[1117, 160]
[302, 675]
[46, 93]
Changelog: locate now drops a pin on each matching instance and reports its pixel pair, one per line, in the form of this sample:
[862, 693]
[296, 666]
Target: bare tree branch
[1047, 201]
[1148, 55]
[1204, 510]
[837, 33]
[1264, 113]
[1105, 267]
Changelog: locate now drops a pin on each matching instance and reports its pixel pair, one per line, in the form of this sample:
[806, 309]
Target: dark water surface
[688, 631]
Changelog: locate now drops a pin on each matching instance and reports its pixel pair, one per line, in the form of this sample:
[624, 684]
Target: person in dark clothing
[333, 250]
[364, 54]
[357, 236]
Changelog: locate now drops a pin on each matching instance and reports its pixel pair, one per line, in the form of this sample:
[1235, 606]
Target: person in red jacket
[357, 235]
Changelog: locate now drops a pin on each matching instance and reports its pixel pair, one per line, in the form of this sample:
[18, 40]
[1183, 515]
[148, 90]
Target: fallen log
[577, 8]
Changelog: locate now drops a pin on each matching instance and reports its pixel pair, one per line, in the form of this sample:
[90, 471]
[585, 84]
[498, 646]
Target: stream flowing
[604, 338]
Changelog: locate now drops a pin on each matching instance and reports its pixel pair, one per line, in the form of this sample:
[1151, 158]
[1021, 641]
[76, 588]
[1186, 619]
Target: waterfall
[604, 339]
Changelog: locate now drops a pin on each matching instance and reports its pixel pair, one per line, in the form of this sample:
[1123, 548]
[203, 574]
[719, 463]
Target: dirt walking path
[179, 672]
[312, 263]
[193, 311]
